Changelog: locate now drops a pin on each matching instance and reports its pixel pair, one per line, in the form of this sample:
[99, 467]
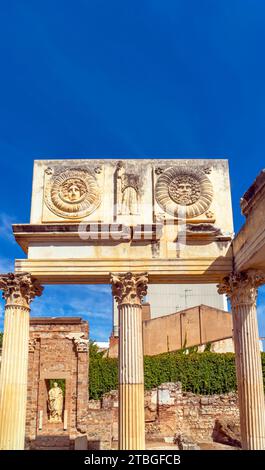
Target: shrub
[201, 373]
[103, 373]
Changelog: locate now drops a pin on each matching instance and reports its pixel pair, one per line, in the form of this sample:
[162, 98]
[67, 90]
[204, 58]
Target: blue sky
[126, 79]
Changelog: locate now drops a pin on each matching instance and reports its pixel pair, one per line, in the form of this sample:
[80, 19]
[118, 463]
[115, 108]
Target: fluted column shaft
[128, 290]
[13, 380]
[242, 290]
[18, 292]
[131, 378]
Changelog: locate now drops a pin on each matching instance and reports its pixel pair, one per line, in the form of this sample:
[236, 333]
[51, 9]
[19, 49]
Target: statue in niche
[128, 188]
[55, 404]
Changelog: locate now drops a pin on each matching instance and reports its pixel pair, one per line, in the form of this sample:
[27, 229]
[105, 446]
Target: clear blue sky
[126, 79]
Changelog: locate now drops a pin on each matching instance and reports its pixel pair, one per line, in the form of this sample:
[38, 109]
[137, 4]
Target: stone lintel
[55, 321]
[96, 271]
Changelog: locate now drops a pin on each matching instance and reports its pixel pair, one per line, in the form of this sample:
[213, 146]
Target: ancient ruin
[131, 223]
[58, 353]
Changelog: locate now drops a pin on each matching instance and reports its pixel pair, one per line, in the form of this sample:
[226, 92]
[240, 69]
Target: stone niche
[58, 351]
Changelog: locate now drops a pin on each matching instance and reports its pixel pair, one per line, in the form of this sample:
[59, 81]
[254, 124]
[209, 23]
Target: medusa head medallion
[184, 189]
[72, 193]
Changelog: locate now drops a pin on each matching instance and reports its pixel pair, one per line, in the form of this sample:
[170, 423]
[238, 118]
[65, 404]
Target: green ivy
[202, 373]
[103, 373]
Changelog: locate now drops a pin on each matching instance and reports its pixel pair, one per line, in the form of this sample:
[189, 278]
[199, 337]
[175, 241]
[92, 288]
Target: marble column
[128, 290]
[18, 291]
[241, 288]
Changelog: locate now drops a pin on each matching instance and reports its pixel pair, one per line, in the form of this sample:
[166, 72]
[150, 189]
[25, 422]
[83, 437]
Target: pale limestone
[128, 290]
[210, 226]
[18, 291]
[241, 288]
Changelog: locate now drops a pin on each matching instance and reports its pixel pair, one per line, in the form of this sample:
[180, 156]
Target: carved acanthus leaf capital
[129, 288]
[19, 289]
[32, 344]
[81, 344]
[241, 287]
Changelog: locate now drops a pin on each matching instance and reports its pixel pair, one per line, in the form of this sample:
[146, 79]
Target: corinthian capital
[129, 288]
[241, 287]
[19, 289]
[81, 344]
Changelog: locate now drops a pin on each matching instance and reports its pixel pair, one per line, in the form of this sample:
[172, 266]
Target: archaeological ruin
[128, 223]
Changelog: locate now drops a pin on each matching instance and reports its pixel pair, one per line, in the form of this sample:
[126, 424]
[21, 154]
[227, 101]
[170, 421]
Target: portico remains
[130, 223]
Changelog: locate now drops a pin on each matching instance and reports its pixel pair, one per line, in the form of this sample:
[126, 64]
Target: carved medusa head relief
[184, 190]
[181, 189]
[73, 190]
[72, 193]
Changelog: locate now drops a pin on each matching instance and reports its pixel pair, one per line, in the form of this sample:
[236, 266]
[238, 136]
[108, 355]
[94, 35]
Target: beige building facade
[165, 299]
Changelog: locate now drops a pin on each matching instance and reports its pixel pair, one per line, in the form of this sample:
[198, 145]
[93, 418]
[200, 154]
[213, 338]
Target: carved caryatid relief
[183, 189]
[72, 193]
[127, 191]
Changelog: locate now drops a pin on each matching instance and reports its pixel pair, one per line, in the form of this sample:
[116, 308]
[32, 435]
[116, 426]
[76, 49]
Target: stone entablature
[58, 349]
[249, 243]
[253, 195]
[90, 215]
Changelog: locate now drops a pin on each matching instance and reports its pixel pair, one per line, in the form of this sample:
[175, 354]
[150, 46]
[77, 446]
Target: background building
[165, 299]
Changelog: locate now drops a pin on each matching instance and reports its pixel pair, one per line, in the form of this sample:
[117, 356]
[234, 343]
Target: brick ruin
[58, 349]
[169, 412]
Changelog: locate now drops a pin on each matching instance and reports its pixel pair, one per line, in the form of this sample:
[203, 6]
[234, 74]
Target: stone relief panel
[72, 193]
[133, 193]
[183, 190]
[127, 191]
[131, 181]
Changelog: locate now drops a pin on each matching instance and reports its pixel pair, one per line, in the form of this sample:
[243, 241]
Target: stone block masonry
[169, 412]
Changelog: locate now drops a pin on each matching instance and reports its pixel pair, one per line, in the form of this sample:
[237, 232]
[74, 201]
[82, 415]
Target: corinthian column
[128, 289]
[241, 288]
[18, 291]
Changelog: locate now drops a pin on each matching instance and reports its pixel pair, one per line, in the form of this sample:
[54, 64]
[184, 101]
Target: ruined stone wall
[168, 412]
[58, 349]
